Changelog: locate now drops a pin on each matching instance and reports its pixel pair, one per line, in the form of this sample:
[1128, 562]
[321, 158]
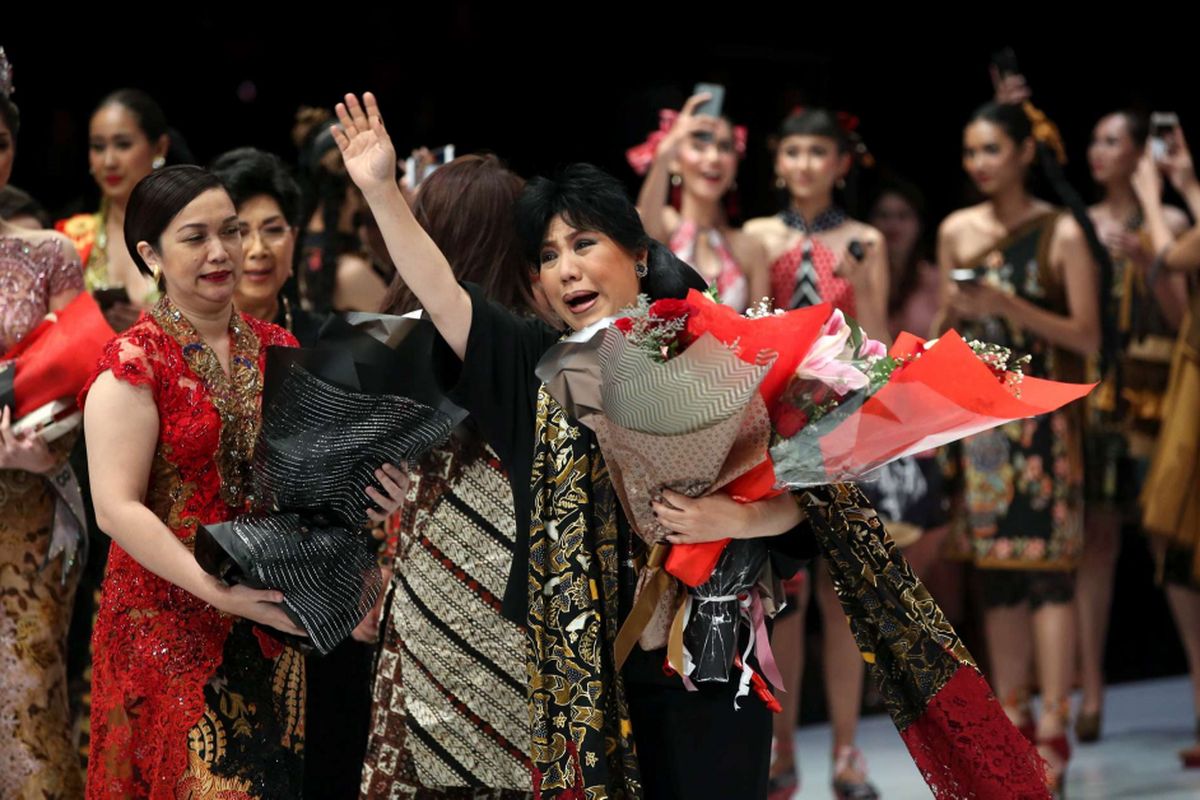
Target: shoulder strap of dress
[1038, 223]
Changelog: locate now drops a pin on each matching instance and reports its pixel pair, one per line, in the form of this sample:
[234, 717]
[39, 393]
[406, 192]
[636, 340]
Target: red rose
[819, 393]
[623, 324]
[669, 308]
[789, 421]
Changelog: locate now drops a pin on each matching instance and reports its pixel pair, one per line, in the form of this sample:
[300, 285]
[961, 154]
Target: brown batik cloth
[449, 716]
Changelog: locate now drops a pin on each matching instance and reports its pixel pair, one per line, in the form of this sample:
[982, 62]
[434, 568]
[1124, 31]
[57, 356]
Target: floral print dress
[1022, 482]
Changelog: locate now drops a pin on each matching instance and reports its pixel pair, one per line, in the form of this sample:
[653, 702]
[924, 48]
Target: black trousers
[696, 745]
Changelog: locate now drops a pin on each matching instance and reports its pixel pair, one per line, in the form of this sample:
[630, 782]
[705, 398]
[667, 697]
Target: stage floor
[1145, 725]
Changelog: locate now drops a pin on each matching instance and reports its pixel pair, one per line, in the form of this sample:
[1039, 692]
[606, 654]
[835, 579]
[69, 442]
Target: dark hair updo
[588, 198]
[1015, 121]
[1138, 125]
[152, 121]
[157, 199]
[814, 122]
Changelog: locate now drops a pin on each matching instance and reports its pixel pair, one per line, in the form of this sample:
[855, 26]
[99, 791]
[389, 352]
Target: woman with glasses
[268, 206]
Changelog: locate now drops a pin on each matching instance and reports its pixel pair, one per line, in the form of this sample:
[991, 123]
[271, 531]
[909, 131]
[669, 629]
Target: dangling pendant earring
[156, 272]
[158, 163]
[780, 183]
[676, 180]
[641, 269]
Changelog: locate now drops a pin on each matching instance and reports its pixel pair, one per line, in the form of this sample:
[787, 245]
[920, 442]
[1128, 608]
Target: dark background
[572, 83]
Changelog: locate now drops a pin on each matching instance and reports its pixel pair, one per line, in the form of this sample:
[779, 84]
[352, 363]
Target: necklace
[235, 396]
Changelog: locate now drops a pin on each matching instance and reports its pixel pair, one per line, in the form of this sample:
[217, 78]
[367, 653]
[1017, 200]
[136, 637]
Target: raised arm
[370, 161]
[121, 423]
[658, 217]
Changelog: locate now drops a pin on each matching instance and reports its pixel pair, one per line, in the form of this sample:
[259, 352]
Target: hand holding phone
[1007, 78]
[715, 103]
[424, 162]
[1164, 126]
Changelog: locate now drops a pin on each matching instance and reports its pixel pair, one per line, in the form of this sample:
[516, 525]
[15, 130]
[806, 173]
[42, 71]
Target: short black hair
[157, 199]
[248, 172]
[588, 198]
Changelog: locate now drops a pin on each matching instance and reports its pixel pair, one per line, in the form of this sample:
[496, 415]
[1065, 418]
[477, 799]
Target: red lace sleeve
[131, 358]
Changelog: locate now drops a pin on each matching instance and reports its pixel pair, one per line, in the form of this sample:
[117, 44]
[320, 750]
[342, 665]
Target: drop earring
[158, 163]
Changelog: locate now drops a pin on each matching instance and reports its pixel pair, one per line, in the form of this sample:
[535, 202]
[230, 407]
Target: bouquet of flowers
[692, 396]
[332, 415]
[689, 395]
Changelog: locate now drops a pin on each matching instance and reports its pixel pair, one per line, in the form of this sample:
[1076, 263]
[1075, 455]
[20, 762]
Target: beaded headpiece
[6, 84]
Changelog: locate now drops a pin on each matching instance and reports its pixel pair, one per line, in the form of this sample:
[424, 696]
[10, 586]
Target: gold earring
[676, 180]
[780, 183]
[156, 271]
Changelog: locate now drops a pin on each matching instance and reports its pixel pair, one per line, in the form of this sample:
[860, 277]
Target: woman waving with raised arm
[574, 565]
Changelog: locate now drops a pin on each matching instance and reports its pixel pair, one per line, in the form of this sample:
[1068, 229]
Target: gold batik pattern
[582, 734]
[36, 756]
[252, 725]
[899, 628]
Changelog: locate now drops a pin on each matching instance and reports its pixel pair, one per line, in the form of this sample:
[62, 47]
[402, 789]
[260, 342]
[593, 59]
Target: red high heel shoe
[1057, 778]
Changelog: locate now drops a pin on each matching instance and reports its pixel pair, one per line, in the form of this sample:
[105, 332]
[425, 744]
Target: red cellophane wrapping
[56, 358]
[789, 336]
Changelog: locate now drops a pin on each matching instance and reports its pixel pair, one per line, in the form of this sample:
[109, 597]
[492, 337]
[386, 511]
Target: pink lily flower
[828, 361]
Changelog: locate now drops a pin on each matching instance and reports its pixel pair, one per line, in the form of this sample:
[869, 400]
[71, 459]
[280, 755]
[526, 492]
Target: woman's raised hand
[367, 149]
[687, 123]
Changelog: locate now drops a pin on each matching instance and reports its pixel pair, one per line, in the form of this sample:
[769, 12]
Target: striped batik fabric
[450, 718]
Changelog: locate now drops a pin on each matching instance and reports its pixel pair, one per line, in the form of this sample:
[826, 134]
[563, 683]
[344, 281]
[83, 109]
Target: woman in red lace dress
[192, 696]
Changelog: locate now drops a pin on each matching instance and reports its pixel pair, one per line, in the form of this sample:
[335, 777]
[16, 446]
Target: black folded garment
[331, 416]
[327, 573]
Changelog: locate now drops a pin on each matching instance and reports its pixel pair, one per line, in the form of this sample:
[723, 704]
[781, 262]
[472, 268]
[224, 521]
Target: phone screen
[713, 106]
